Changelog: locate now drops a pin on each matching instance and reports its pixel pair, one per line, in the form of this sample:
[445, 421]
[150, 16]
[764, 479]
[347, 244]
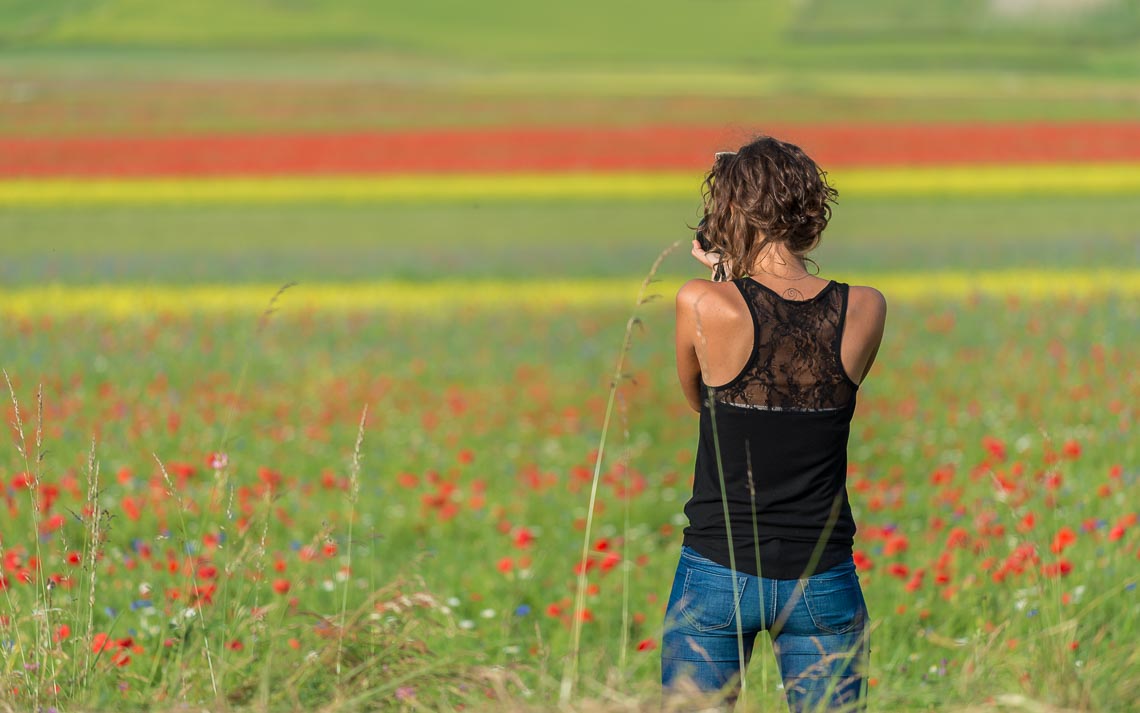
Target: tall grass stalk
[625, 563]
[173, 492]
[570, 670]
[222, 475]
[711, 395]
[93, 541]
[18, 428]
[353, 492]
[42, 605]
[262, 324]
[756, 552]
[47, 647]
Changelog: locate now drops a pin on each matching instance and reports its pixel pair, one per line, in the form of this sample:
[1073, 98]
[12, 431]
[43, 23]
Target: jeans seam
[775, 602]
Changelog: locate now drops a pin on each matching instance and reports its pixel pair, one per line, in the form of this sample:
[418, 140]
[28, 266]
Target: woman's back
[719, 315]
[775, 431]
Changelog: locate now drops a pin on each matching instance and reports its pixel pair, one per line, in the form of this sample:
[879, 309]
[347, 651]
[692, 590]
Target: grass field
[328, 442]
[281, 243]
[104, 66]
[472, 504]
[997, 516]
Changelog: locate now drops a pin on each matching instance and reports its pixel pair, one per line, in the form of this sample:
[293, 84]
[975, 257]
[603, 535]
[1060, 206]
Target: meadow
[436, 558]
[330, 442]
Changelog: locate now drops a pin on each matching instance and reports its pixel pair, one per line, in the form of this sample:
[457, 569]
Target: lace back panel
[795, 363]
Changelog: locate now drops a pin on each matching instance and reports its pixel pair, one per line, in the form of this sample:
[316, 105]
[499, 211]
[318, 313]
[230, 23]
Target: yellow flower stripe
[979, 180]
[452, 297]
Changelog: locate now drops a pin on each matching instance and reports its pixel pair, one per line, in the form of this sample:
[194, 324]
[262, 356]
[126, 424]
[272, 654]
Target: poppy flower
[1063, 539]
[1071, 449]
[523, 537]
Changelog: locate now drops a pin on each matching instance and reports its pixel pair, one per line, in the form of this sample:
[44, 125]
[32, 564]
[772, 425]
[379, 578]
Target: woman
[771, 357]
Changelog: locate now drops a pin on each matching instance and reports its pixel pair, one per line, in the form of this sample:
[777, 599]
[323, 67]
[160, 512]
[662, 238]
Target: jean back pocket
[709, 601]
[835, 601]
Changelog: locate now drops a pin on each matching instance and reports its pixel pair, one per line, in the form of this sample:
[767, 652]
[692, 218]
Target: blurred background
[469, 195]
[273, 140]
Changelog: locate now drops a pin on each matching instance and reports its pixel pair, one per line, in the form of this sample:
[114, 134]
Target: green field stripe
[125, 301]
[999, 180]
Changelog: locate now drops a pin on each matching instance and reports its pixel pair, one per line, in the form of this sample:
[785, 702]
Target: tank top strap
[749, 300]
[844, 292]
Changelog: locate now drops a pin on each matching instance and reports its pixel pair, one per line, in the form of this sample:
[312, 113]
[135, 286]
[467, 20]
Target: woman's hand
[711, 260]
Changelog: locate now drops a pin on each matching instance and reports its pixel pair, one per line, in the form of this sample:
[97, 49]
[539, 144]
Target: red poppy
[1060, 568]
[1071, 449]
[1063, 539]
[895, 544]
[611, 560]
[995, 446]
[523, 537]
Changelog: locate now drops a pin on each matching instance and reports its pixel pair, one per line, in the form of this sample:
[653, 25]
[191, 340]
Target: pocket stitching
[687, 603]
[856, 621]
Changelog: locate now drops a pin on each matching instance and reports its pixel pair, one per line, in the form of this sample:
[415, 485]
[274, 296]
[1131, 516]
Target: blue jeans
[817, 624]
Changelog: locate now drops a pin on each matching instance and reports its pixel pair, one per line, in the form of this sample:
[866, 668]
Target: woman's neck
[777, 261]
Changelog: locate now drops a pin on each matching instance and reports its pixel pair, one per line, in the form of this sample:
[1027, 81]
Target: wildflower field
[358, 393]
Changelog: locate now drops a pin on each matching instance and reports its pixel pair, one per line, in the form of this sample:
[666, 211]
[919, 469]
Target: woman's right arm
[688, 326]
[688, 365]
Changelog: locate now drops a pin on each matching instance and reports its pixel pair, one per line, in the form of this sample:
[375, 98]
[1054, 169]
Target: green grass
[565, 239]
[124, 66]
[80, 97]
[172, 387]
[675, 32]
[506, 407]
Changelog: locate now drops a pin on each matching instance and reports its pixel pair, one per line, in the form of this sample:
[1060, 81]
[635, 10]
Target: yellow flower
[125, 301]
[981, 180]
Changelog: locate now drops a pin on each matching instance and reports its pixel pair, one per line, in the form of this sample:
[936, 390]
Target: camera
[703, 239]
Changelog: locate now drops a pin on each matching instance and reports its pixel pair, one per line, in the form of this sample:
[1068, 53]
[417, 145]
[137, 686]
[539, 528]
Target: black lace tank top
[780, 442]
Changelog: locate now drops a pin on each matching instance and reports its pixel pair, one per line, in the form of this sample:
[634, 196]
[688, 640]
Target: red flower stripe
[516, 149]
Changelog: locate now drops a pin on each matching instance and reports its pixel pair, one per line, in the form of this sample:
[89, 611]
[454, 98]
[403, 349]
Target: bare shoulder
[705, 293]
[867, 302]
[866, 309]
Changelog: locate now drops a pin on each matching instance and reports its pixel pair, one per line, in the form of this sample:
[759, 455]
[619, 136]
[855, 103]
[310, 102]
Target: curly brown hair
[767, 192]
